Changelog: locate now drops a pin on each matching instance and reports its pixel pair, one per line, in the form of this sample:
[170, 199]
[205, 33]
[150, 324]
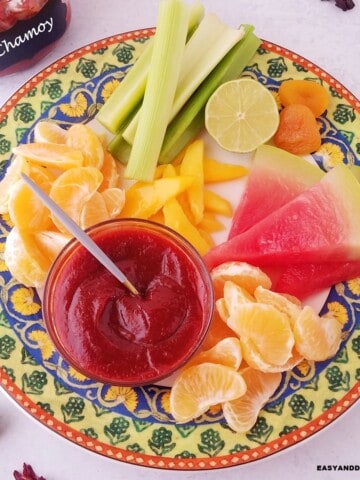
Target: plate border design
[263, 451]
[203, 463]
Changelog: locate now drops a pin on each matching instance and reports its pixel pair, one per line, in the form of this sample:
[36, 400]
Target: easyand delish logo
[338, 468]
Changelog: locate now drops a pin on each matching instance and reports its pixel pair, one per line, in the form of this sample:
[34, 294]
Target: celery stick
[205, 49]
[168, 49]
[190, 120]
[197, 12]
[119, 148]
[129, 94]
[115, 111]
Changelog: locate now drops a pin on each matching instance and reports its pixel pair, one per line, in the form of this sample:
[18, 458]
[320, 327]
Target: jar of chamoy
[28, 31]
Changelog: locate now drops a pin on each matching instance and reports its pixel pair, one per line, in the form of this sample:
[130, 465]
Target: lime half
[241, 115]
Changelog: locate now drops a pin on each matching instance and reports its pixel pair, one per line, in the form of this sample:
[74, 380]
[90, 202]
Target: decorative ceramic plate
[134, 424]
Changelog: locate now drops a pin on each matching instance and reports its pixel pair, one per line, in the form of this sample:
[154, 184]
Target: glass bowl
[111, 335]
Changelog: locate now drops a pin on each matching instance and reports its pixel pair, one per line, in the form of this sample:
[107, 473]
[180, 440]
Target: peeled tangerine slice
[225, 352]
[234, 295]
[254, 358]
[82, 138]
[287, 304]
[199, 387]
[267, 328]
[51, 242]
[317, 338]
[35, 216]
[72, 189]
[242, 413]
[26, 210]
[49, 132]
[25, 260]
[102, 206]
[54, 155]
[243, 274]
[12, 175]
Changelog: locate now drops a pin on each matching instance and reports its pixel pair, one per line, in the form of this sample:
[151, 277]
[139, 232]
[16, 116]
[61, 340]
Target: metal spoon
[79, 234]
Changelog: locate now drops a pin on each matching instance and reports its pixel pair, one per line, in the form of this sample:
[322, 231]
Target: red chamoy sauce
[113, 336]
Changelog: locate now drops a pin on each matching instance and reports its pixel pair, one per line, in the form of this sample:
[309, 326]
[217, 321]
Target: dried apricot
[298, 131]
[304, 92]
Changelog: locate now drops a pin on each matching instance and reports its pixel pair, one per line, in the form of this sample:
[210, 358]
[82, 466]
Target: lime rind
[241, 115]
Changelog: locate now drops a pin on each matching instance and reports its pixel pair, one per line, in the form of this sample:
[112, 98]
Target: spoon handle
[79, 234]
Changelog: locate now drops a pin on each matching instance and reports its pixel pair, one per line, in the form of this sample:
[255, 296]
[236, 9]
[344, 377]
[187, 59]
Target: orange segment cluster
[264, 333]
[72, 167]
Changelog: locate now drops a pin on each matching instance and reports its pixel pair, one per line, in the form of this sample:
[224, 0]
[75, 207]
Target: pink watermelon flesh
[306, 279]
[322, 224]
[275, 178]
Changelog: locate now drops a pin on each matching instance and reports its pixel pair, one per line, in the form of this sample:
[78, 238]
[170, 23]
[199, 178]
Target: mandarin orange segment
[234, 295]
[49, 132]
[24, 259]
[290, 306]
[267, 328]
[218, 330]
[51, 242]
[94, 211]
[221, 309]
[199, 387]
[72, 189]
[12, 175]
[111, 171]
[225, 352]
[85, 140]
[241, 414]
[254, 358]
[317, 338]
[304, 92]
[114, 199]
[53, 155]
[243, 274]
[42, 176]
[35, 216]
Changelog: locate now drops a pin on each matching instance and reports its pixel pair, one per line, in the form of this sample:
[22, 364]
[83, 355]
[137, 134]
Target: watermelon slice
[306, 279]
[275, 178]
[322, 224]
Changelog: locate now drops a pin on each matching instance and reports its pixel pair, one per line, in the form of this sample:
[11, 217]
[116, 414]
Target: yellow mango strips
[179, 199]
[215, 171]
[144, 199]
[74, 169]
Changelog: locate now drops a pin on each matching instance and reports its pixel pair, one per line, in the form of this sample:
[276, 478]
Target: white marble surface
[314, 29]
